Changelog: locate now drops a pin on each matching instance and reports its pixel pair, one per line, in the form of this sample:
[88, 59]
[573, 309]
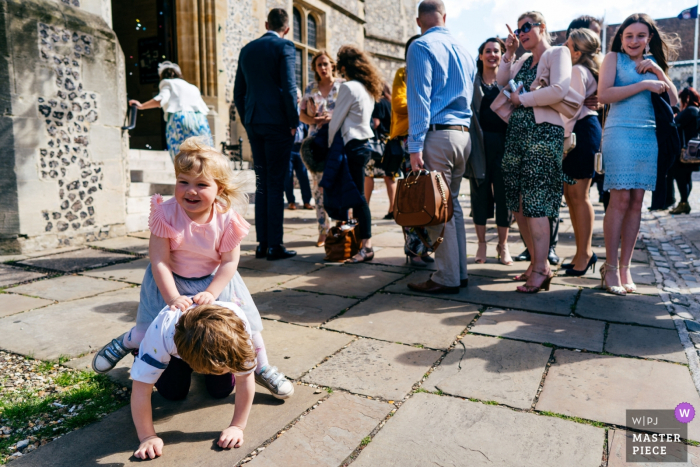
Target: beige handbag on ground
[598, 161]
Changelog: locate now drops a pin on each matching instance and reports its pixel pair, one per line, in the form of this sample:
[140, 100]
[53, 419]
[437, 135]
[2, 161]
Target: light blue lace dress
[629, 142]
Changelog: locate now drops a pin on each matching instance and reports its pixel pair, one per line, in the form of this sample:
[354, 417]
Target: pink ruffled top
[195, 249]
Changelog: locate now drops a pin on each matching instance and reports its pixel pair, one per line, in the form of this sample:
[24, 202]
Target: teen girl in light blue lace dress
[635, 67]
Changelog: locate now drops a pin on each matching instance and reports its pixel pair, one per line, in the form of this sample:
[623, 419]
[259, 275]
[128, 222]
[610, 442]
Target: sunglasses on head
[527, 27]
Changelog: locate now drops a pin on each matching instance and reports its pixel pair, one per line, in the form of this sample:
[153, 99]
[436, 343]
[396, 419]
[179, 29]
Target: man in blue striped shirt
[440, 77]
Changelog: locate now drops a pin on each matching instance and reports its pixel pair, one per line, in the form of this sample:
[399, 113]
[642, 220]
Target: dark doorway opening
[146, 33]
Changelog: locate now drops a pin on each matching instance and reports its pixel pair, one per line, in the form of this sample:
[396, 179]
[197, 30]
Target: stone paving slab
[327, 435]
[277, 267]
[593, 282]
[346, 281]
[602, 387]
[12, 304]
[67, 288]
[637, 309]
[432, 322]
[131, 272]
[375, 368]
[395, 257]
[310, 254]
[120, 374]
[10, 275]
[71, 328]
[392, 239]
[445, 431]
[300, 307]
[73, 261]
[142, 234]
[645, 342]
[189, 429]
[124, 244]
[501, 370]
[258, 281]
[617, 442]
[499, 293]
[492, 268]
[296, 349]
[575, 333]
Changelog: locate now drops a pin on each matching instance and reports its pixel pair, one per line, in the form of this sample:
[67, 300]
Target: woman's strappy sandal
[612, 289]
[480, 257]
[536, 288]
[630, 287]
[366, 254]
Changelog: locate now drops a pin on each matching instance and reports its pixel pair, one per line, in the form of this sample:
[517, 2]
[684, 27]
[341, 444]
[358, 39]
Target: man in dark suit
[265, 95]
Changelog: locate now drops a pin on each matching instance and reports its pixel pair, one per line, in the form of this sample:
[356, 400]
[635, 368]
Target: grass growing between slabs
[41, 401]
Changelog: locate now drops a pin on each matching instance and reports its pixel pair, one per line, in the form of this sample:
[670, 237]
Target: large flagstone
[124, 244]
[375, 368]
[347, 281]
[617, 442]
[298, 307]
[68, 287]
[645, 342]
[10, 275]
[446, 431]
[498, 293]
[637, 309]
[327, 435]
[258, 281]
[277, 267]
[432, 322]
[562, 331]
[71, 328]
[602, 387]
[501, 370]
[189, 429]
[73, 261]
[12, 304]
[131, 272]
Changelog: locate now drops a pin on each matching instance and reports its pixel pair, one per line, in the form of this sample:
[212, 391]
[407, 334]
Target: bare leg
[572, 215]
[582, 216]
[630, 231]
[539, 234]
[612, 227]
[480, 232]
[390, 191]
[525, 232]
[369, 186]
[502, 235]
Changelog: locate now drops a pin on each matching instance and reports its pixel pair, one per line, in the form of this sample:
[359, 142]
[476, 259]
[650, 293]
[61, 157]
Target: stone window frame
[307, 51]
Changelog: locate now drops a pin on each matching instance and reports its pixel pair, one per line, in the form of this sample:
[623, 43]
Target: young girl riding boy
[194, 250]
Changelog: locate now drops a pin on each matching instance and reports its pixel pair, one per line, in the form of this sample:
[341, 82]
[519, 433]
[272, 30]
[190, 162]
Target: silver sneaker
[271, 379]
[109, 355]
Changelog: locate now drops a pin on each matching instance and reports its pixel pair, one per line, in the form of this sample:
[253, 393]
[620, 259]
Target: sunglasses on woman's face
[527, 27]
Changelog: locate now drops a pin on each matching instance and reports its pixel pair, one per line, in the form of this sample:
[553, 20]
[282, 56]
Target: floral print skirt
[182, 125]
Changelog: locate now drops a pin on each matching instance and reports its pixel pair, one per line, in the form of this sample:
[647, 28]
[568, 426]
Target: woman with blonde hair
[636, 67]
[317, 107]
[578, 165]
[351, 121]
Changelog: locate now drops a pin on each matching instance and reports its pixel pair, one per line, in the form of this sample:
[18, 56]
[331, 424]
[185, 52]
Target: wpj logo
[658, 435]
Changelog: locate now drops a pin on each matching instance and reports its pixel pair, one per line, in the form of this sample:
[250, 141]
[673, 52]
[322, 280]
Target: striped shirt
[440, 81]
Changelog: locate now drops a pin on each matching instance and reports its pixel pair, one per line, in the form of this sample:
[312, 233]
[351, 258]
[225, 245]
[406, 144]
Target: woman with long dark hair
[352, 116]
[687, 121]
[489, 136]
[627, 79]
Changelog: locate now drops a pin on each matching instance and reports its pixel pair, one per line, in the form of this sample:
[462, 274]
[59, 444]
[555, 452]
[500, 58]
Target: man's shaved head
[431, 6]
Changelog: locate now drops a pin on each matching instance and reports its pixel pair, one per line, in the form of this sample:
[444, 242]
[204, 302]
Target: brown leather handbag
[423, 199]
[341, 242]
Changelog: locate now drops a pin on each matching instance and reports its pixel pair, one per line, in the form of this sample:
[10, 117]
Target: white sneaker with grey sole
[271, 379]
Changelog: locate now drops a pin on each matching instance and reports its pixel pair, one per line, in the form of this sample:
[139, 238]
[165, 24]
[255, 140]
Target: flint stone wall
[62, 95]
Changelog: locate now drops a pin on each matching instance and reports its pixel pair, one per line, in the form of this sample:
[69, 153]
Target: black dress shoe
[524, 256]
[552, 257]
[261, 251]
[279, 252]
[463, 283]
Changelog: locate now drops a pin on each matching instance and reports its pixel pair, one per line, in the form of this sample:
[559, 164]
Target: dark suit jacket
[669, 144]
[265, 91]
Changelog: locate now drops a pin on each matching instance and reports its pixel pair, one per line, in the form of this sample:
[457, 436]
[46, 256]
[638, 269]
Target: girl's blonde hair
[196, 157]
[538, 18]
[587, 42]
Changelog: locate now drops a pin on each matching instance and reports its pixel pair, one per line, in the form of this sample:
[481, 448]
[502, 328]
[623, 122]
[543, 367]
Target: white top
[177, 95]
[158, 345]
[352, 114]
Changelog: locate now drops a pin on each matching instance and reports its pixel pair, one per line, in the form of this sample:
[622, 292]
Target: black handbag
[376, 147]
[393, 157]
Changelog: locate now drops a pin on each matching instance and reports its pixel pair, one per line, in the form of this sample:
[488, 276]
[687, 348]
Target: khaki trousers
[447, 151]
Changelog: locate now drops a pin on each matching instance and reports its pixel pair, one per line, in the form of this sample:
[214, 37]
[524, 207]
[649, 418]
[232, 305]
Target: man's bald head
[431, 13]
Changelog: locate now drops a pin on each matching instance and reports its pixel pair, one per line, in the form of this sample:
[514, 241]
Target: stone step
[153, 177]
[149, 189]
[136, 222]
[152, 166]
[147, 155]
[140, 204]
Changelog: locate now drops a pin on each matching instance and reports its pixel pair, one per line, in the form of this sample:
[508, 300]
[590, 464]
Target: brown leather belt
[439, 127]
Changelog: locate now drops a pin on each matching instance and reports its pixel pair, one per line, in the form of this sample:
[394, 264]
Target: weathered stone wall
[63, 109]
[342, 30]
[101, 8]
[390, 23]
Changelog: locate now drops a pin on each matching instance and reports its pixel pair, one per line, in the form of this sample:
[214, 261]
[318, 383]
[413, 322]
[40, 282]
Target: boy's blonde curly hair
[196, 157]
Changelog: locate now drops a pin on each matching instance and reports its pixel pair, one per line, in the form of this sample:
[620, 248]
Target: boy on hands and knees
[213, 340]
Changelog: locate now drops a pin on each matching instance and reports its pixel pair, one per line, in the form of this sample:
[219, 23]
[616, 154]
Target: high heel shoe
[591, 264]
[503, 254]
[567, 266]
[480, 257]
[612, 289]
[321, 240]
[416, 261]
[548, 275]
[521, 277]
[630, 287]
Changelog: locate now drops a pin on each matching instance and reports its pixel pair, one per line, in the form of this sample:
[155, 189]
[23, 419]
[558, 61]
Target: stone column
[62, 91]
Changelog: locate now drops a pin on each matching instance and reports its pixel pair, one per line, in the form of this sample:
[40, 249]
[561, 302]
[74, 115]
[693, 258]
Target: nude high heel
[612, 289]
[503, 254]
[630, 287]
[480, 257]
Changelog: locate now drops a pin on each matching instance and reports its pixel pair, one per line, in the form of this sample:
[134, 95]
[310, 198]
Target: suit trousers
[447, 151]
[272, 148]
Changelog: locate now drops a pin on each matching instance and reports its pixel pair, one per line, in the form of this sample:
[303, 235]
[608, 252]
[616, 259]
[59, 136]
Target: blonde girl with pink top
[194, 250]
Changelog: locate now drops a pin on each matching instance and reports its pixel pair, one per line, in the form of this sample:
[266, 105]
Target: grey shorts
[151, 301]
